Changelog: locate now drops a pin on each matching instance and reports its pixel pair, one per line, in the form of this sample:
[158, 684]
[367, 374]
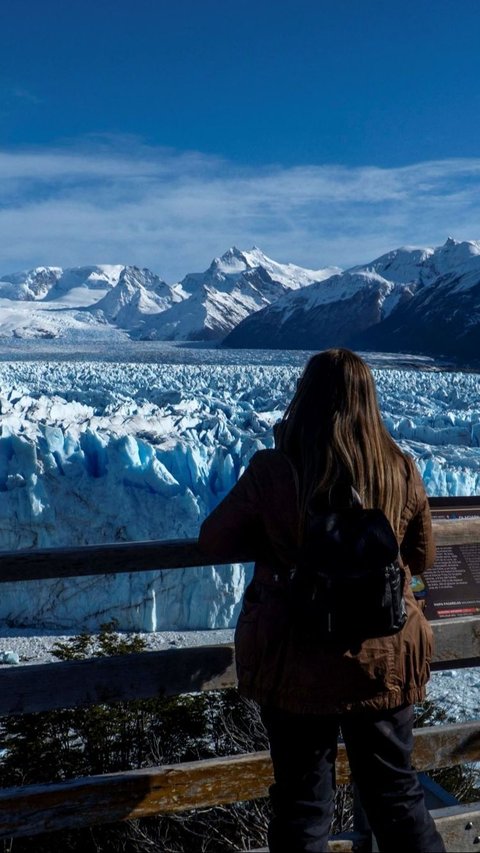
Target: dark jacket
[275, 665]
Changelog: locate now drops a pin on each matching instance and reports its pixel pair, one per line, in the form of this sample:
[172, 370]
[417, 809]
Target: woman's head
[335, 394]
[333, 431]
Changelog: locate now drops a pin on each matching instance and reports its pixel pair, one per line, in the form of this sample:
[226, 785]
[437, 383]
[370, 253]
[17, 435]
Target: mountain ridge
[138, 301]
[422, 300]
[417, 299]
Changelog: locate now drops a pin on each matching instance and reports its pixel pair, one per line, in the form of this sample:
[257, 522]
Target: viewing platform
[175, 788]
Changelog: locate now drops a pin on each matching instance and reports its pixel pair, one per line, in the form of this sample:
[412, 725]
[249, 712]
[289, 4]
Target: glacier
[104, 447]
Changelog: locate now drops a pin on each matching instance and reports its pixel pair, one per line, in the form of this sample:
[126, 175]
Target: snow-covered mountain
[234, 286]
[424, 300]
[328, 313]
[443, 316]
[420, 300]
[77, 285]
[50, 302]
[29, 285]
[137, 296]
[95, 301]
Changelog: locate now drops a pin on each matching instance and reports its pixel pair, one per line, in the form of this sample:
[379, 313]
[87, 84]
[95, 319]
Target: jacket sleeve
[235, 526]
[418, 546]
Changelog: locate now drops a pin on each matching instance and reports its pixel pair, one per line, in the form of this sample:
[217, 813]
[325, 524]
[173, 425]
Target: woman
[331, 434]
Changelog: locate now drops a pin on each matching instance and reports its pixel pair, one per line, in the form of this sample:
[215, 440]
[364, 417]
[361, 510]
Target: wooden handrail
[43, 563]
[144, 675]
[196, 784]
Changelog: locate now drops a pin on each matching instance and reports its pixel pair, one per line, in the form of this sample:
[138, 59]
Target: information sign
[452, 586]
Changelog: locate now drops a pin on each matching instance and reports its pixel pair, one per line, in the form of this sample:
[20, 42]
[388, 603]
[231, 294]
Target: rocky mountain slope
[416, 300]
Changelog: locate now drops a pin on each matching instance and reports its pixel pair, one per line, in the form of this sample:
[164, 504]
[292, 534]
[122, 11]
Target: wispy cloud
[25, 95]
[13, 97]
[106, 200]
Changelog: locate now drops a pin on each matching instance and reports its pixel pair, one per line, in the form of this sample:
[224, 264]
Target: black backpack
[347, 584]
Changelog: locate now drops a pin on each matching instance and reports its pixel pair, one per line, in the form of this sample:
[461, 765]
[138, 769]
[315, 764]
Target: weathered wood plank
[172, 554]
[457, 642]
[73, 684]
[179, 787]
[99, 559]
[335, 845]
[138, 793]
[459, 826]
[143, 675]
[446, 745]
[345, 842]
[453, 824]
[456, 531]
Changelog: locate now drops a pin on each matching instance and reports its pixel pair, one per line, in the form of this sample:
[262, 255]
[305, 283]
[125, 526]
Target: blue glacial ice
[96, 452]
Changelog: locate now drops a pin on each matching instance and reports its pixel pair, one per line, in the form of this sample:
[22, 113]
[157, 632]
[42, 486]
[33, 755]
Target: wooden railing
[81, 802]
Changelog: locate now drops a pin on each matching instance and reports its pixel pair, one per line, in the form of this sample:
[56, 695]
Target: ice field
[141, 443]
[95, 450]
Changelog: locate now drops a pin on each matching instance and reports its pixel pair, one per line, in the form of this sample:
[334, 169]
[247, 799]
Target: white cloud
[130, 203]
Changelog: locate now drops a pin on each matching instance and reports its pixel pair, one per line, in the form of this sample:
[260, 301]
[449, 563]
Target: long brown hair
[333, 433]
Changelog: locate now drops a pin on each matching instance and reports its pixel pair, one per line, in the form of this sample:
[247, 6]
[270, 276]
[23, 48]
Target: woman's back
[331, 437]
[275, 663]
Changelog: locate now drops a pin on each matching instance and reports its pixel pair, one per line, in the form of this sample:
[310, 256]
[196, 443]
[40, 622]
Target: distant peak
[450, 241]
[232, 252]
[233, 260]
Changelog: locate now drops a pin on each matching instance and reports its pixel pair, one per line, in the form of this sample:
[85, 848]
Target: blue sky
[160, 133]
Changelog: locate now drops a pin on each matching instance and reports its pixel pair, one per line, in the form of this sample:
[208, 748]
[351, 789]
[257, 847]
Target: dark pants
[379, 746]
